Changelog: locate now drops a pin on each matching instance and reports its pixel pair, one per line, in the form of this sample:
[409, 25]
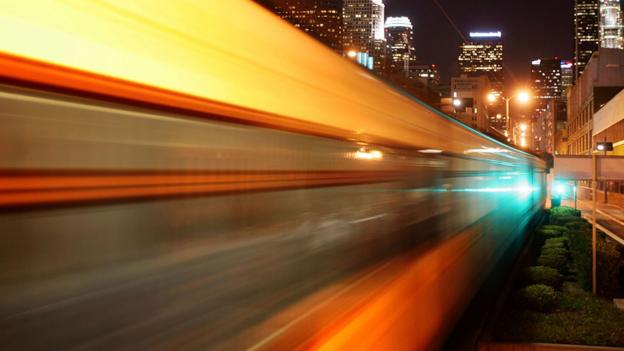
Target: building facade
[587, 32]
[400, 41]
[363, 31]
[428, 74]
[483, 55]
[567, 76]
[469, 99]
[602, 80]
[546, 123]
[322, 19]
[609, 124]
[611, 24]
[546, 80]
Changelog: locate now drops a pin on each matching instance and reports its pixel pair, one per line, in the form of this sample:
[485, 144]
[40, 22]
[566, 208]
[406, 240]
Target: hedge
[564, 211]
[565, 241]
[544, 275]
[548, 233]
[538, 297]
[558, 228]
[556, 261]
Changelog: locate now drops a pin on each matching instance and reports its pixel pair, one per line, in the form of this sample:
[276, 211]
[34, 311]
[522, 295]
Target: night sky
[531, 29]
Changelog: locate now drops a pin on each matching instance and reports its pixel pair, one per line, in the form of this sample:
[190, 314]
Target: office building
[363, 31]
[546, 80]
[322, 19]
[469, 99]
[400, 40]
[602, 80]
[610, 24]
[587, 32]
[428, 74]
[546, 123]
[567, 76]
[483, 55]
[609, 124]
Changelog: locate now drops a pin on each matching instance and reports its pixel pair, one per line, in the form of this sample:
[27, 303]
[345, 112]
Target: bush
[545, 275]
[580, 318]
[564, 211]
[610, 263]
[558, 242]
[538, 297]
[555, 245]
[563, 220]
[552, 260]
[548, 233]
[579, 226]
[580, 247]
[558, 228]
[556, 251]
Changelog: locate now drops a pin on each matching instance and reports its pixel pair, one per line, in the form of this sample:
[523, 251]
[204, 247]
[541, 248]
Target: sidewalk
[610, 217]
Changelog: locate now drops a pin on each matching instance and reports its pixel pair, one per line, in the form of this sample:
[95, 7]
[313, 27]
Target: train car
[202, 175]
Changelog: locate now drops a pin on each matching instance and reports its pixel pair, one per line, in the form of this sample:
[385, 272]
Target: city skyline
[524, 34]
[522, 25]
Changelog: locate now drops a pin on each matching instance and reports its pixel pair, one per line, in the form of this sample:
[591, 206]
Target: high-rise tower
[611, 24]
[587, 32]
[400, 45]
[483, 55]
[363, 30]
[322, 19]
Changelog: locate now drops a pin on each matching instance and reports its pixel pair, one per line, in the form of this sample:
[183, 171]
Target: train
[203, 175]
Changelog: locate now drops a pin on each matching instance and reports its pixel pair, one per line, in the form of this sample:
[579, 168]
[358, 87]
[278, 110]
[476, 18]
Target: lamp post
[604, 147]
[522, 96]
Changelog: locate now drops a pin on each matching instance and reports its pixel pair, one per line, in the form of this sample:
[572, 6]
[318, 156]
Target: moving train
[202, 175]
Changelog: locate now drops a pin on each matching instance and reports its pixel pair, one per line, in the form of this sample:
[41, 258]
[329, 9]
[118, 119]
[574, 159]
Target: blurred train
[201, 175]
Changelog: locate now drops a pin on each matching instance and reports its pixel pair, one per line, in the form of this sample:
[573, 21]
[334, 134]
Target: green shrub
[556, 251]
[580, 247]
[552, 260]
[579, 226]
[563, 220]
[564, 211]
[610, 263]
[558, 228]
[558, 242]
[548, 233]
[538, 297]
[555, 245]
[580, 318]
[544, 275]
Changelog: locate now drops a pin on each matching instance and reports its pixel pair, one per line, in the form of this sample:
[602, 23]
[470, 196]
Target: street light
[523, 127]
[492, 97]
[523, 97]
[457, 102]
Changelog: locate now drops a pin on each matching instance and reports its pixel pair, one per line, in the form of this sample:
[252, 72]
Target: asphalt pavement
[610, 218]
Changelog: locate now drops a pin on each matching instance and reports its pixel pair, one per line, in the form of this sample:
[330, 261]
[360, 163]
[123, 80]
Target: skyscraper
[546, 81]
[567, 76]
[363, 30]
[611, 24]
[547, 84]
[400, 45]
[484, 56]
[587, 32]
[322, 19]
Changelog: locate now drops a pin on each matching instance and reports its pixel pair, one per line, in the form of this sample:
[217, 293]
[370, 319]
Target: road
[610, 217]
